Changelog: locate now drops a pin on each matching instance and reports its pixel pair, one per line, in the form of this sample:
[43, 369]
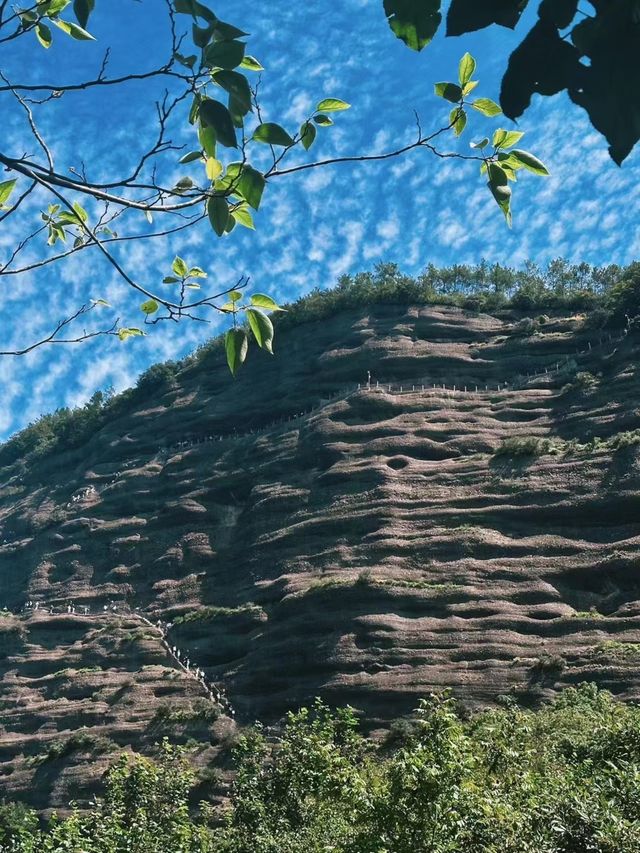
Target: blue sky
[312, 227]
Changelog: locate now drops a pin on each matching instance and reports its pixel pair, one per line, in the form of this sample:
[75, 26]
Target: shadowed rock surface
[369, 550]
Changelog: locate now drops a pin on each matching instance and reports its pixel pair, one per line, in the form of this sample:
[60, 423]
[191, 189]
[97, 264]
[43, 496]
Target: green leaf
[242, 215]
[82, 9]
[229, 182]
[308, 134]
[251, 186]
[498, 136]
[194, 109]
[481, 144]
[466, 68]
[213, 168]
[415, 22]
[68, 218]
[50, 8]
[237, 85]
[207, 138]
[238, 110]
[102, 302]
[332, 105]
[187, 61]
[43, 34]
[197, 272]
[487, 107]
[190, 157]
[179, 267]
[250, 63]
[529, 161]
[215, 115]
[170, 279]
[227, 32]
[81, 213]
[149, 307]
[224, 54]
[496, 174]
[272, 134]
[123, 334]
[261, 300]
[469, 87]
[184, 184]
[235, 295]
[262, 328]
[323, 120]
[506, 160]
[498, 184]
[73, 30]
[506, 138]
[6, 188]
[236, 346]
[458, 120]
[218, 211]
[201, 35]
[450, 91]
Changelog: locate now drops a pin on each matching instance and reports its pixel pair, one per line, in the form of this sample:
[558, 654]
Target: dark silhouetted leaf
[82, 9]
[215, 115]
[218, 211]
[238, 86]
[544, 64]
[251, 186]
[464, 16]
[560, 13]
[225, 54]
[415, 22]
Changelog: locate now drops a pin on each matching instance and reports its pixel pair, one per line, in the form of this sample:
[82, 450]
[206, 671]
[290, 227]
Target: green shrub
[207, 614]
[159, 377]
[524, 446]
[583, 382]
[562, 779]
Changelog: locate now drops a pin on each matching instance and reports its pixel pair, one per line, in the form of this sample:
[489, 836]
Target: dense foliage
[563, 779]
[611, 294]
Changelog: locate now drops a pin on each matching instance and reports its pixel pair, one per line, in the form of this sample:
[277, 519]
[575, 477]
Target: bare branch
[53, 338]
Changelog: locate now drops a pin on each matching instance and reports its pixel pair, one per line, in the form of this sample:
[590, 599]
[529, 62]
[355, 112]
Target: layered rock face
[370, 546]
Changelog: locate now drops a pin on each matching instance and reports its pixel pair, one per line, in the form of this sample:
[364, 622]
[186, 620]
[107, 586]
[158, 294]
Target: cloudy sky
[313, 226]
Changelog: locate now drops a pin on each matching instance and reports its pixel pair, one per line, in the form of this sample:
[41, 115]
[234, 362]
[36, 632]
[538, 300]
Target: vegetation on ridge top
[611, 293]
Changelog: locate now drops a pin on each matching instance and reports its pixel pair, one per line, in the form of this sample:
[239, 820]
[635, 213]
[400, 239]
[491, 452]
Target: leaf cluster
[498, 162]
[590, 55]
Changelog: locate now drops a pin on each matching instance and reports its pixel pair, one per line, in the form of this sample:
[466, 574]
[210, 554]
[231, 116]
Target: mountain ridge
[378, 547]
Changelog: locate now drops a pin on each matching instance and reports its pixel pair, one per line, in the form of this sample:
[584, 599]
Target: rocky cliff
[301, 536]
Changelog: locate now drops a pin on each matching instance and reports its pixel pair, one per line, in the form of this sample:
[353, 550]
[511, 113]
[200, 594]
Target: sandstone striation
[305, 537]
